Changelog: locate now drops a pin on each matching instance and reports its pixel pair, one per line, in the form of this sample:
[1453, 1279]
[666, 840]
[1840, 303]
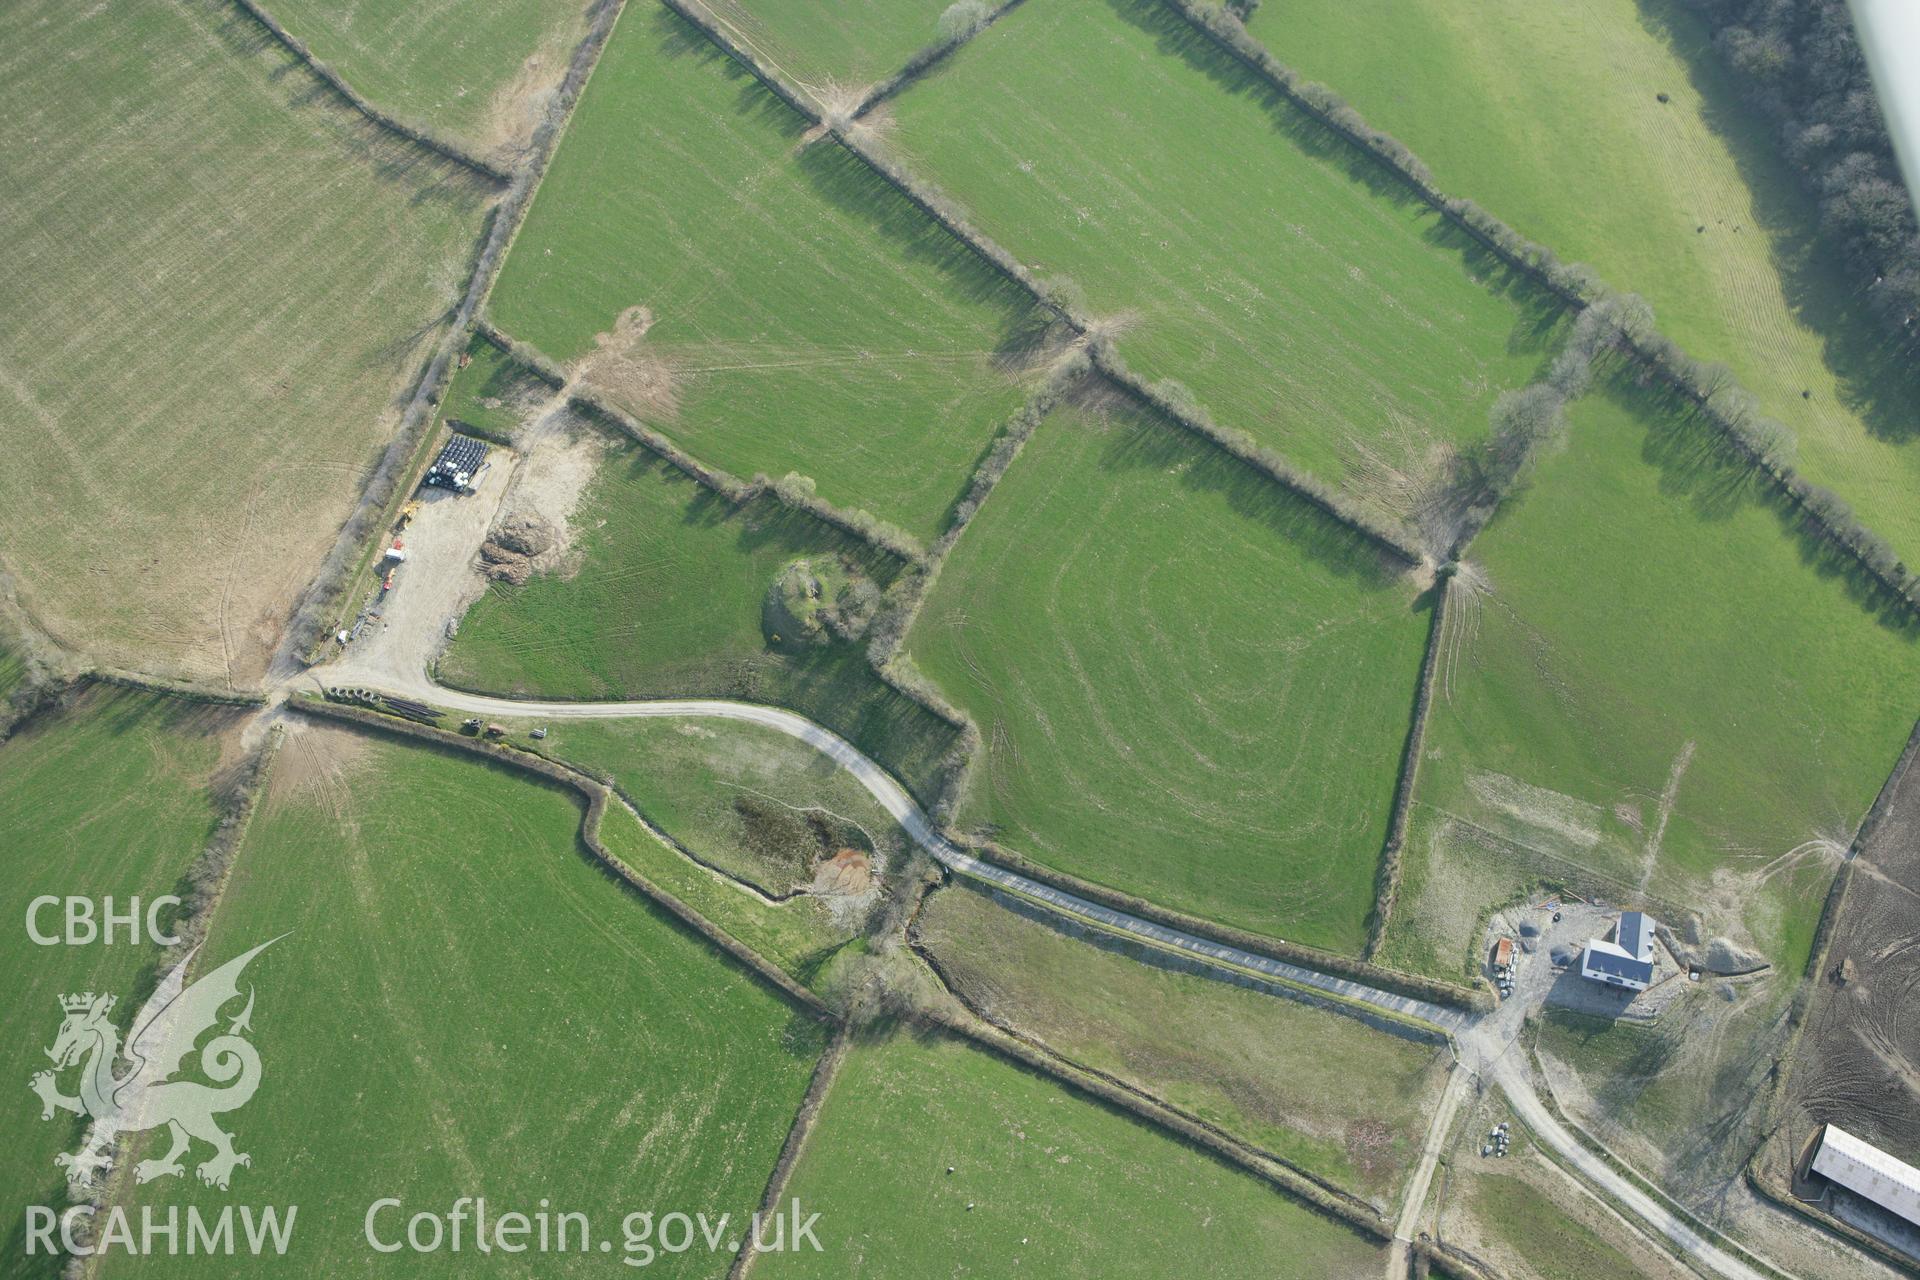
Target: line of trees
[792, 490]
[724, 483]
[1799, 63]
[1063, 379]
[1338, 1204]
[1769, 445]
[308, 625]
[1710, 387]
[1419, 986]
[235, 791]
[1525, 420]
[597, 796]
[524, 354]
[419, 135]
[797, 492]
[909, 591]
[1572, 282]
[46, 673]
[1827, 56]
[960, 22]
[1064, 298]
[897, 605]
[1177, 402]
[1387, 876]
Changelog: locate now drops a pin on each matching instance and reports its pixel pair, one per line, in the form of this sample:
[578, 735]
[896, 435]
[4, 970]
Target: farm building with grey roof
[1626, 959]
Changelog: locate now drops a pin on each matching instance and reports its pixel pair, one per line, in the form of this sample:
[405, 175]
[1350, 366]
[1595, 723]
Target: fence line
[1575, 284]
[1054, 298]
[406, 453]
[1391, 860]
[446, 148]
[825, 1072]
[926, 59]
[597, 796]
[1413, 985]
[1341, 1206]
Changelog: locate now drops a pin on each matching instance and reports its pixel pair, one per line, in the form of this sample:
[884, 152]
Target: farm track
[894, 799]
[1483, 1043]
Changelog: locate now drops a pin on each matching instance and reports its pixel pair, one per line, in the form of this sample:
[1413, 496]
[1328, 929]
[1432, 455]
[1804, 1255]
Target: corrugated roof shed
[1866, 1170]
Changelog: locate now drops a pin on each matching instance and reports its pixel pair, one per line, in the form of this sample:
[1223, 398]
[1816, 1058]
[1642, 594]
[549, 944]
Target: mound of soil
[504, 564]
[802, 843]
[848, 872]
[1724, 956]
[529, 535]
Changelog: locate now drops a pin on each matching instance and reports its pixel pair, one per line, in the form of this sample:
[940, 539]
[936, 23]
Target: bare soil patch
[516, 108]
[317, 763]
[535, 530]
[849, 872]
[626, 369]
[1858, 1060]
[435, 585]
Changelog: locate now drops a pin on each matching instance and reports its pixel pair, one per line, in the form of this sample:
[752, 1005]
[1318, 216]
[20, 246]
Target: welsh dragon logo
[165, 1034]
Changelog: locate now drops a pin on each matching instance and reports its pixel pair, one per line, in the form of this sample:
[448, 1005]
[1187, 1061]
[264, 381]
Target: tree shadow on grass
[1143, 440]
[1541, 312]
[1175, 37]
[866, 199]
[44, 1265]
[676, 38]
[833, 684]
[1877, 380]
[1697, 464]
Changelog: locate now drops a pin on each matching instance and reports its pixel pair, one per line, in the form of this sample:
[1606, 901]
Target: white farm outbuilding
[1867, 1171]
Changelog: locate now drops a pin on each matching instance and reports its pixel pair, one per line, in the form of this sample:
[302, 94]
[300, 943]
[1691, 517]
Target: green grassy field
[106, 799]
[1649, 679]
[192, 391]
[465, 1005]
[775, 307]
[1683, 1101]
[1539, 1239]
[1306, 300]
[738, 795]
[686, 776]
[1192, 687]
[1323, 1091]
[1687, 201]
[494, 393]
[798, 936]
[476, 71]
[668, 603]
[682, 782]
[13, 672]
[833, 51]
[1059, 1185]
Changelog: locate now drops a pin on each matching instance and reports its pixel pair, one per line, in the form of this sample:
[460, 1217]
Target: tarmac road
[904, 810]
[1481, 1042]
